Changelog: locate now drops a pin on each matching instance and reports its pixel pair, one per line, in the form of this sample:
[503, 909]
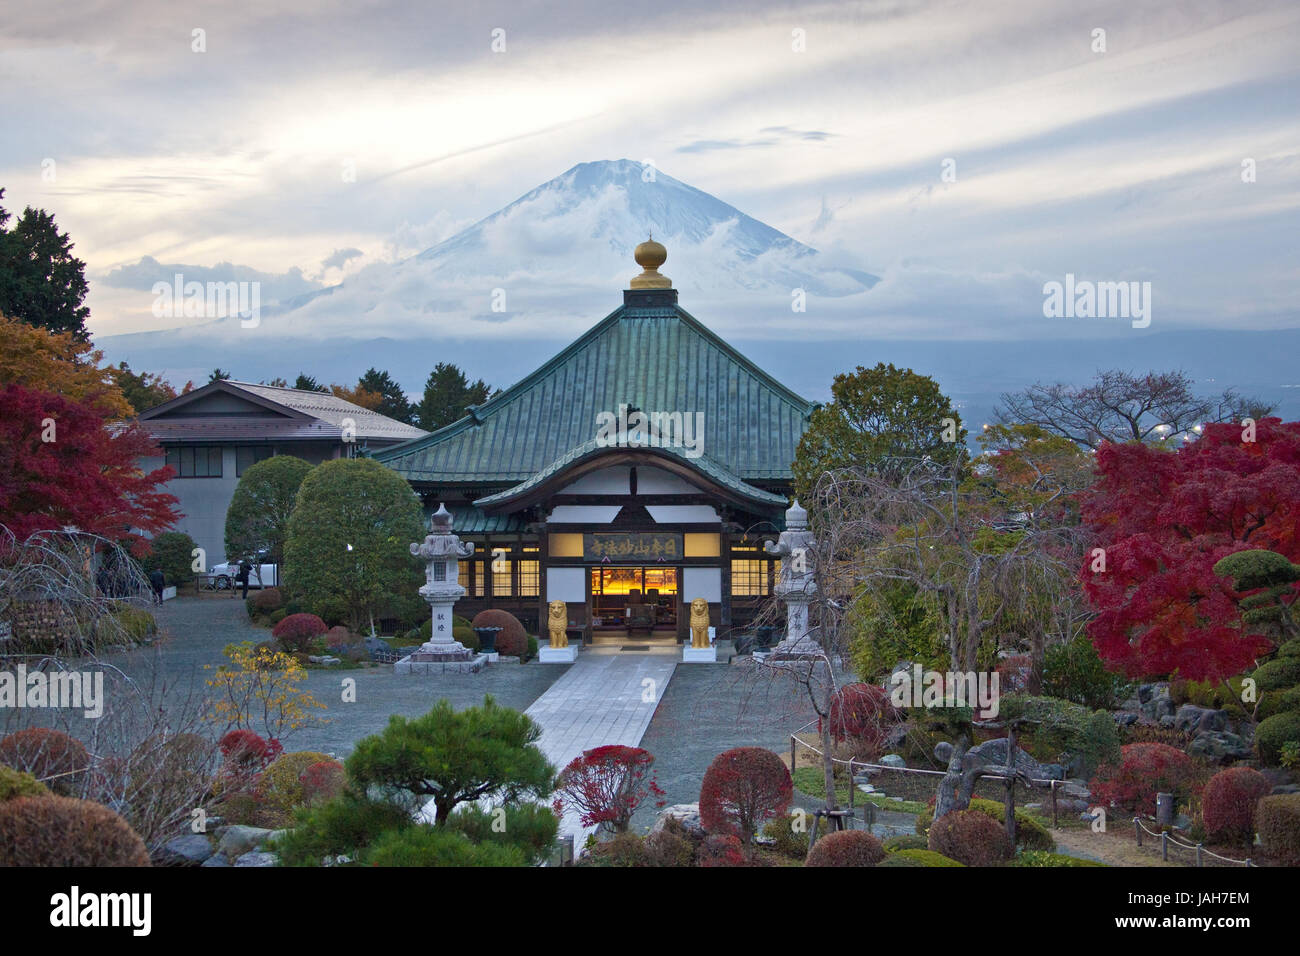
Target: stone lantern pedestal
[442, 653]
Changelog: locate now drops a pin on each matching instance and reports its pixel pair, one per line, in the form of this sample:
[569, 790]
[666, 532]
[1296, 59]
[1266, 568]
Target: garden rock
[993, 753]
[257, 858]
[1195, 720]
[1124, 719]
[238, 840]
[892, 760]
[1155, 701]
[687, 814]
[1219, 745]
[216, 860]
[189, 850]
[1167, 720]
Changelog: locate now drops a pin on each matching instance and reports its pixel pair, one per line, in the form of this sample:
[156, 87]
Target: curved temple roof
[648, 357]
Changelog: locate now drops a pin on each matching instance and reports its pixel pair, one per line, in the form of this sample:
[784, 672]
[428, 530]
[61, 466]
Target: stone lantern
[442, 552]
[796, 586]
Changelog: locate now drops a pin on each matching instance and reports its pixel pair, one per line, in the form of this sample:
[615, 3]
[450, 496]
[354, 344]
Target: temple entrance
[634, 602]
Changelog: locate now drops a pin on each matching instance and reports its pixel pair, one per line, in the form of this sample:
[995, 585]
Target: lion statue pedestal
[560, 651]
[700, 650]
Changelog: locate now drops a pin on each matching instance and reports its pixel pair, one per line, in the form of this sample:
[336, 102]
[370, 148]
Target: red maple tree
[607, 784]
[63, 465]
[1162, 520]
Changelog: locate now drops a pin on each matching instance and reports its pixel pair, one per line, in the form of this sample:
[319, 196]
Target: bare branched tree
[1119, 406]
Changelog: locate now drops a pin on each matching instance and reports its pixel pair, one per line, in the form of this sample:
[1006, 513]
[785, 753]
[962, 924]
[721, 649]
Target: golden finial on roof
[650, 255]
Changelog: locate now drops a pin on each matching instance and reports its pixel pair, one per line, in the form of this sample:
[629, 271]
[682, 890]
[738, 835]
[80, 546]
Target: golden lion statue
[699, 623]
[557, 622]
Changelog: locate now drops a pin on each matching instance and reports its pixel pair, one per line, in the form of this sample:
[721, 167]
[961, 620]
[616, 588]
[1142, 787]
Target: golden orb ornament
[650, 255]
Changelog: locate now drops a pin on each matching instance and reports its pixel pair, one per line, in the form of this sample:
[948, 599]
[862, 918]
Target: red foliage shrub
[244, 755]
[337, 638]
[970, 837]
[62, 831]
[1228, 803]
[512, 639]
[297, 631]
[607, 784]
[720, 849]
[55, 759]
[846, 848]
[1277, 818]
[321, 781]
[1144, 770]
[742, 788]
[863, 713]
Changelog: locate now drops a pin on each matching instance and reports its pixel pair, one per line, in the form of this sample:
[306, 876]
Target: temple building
[639, 469]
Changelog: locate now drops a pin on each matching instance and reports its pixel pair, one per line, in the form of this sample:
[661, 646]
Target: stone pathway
[606, 697]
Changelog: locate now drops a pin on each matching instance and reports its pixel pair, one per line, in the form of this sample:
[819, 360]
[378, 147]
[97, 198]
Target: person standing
[244, 570]
[158, 581]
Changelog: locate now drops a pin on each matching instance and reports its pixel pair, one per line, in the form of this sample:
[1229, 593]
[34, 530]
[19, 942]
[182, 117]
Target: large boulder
[1155, 700]
[238, 840]
[1219, 746]
[687, 814]
[993, 753]
[189, 850]
[257, 858]
[1195, 720]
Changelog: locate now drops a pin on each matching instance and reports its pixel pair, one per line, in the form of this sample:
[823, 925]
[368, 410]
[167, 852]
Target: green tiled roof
[468, 520]
[655, 358]
[592, 448]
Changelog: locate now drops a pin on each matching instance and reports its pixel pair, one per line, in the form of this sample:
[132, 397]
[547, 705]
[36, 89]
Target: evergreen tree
[41, 282]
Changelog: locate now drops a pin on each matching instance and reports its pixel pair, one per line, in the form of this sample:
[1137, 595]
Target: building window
[470, 577]
[191, 461]
[749, 575]
[502, 583]
[530, 574]
[246, 455]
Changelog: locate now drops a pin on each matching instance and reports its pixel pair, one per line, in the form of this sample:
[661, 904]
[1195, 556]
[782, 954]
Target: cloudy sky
[310, 140]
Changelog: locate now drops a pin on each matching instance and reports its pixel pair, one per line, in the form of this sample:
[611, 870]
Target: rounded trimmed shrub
[1228, 803]
[1144, 770]
[1278, 674]
[1030, 834]
[668, 847]
[280, 786]
[1272, 733]
[623, 849]
[15, 783]
[789, 841]
[1277, 820]
[742, 788]
[322, 781]
[267, 600]
[56, 759]
[63, 831]
[970, 837]
[297, 631]
[512, 639]
[337, 638]
[1290, 649]
[721, 849]
[905, 841]
[846, 848]
[917, 857]
[1278, 702]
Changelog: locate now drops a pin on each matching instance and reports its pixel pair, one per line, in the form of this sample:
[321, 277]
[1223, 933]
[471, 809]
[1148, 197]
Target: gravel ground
[709, 708]
[200, 627]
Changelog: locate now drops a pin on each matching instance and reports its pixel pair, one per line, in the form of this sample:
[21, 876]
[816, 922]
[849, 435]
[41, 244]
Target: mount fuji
[550, 263]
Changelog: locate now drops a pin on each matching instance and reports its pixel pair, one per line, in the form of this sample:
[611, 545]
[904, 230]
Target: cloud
[142, 275]
[340, 257]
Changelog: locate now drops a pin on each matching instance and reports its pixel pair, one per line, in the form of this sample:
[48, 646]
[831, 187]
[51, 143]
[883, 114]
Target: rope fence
[1168, 842]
